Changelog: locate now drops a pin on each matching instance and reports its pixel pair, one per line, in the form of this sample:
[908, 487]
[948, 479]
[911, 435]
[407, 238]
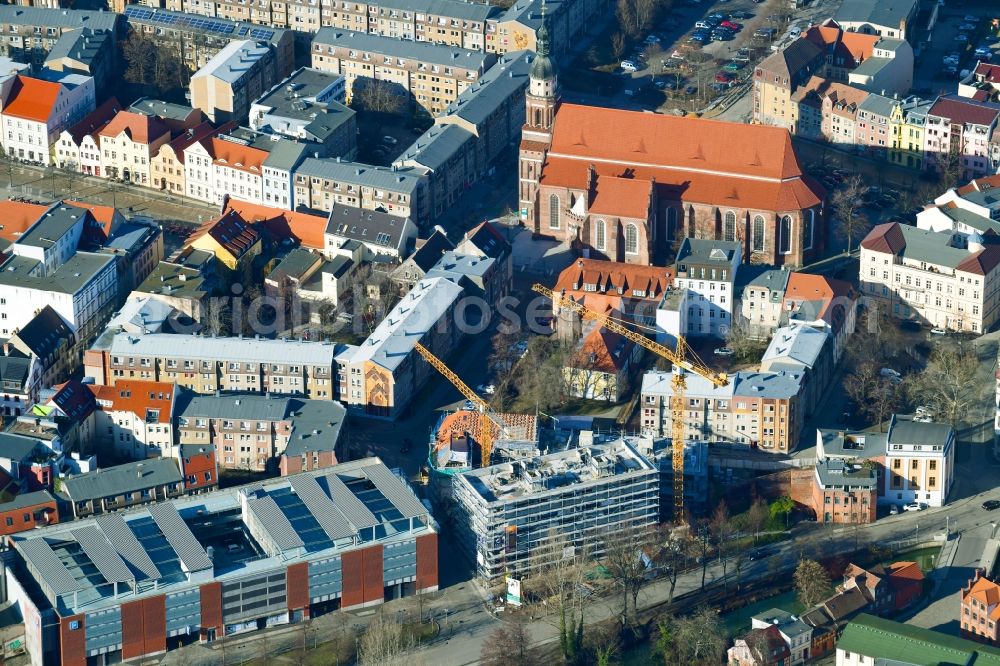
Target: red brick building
[28, 511]
[622, 184]
[844, 492]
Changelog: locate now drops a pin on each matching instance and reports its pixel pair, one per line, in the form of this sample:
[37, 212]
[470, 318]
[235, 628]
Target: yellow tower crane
[484, 428]
[679, 357]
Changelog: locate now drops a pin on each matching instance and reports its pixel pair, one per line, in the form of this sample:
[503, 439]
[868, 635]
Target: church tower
[541, 102]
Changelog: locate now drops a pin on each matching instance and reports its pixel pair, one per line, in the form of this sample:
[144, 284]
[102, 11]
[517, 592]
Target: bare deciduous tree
[948, 383]
[674, 547]
[507, 646]
[746, 348]
[625, 556]
[846, 204]
[378, 96]
[722, 532]
[618, 44]
[699, 639]
[812, 584]
[559, 579]
[385, 643]
[757, 516]
[876, 396]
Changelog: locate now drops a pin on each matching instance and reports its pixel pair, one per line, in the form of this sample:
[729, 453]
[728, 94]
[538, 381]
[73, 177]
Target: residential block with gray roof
[430, 76]
[122, 486]
[889, 18]
[206, 364]
[322, 183]
[209, 566]
[32, 32]
[226, 86]
[309, 105]
[763, 409]
[263, 432]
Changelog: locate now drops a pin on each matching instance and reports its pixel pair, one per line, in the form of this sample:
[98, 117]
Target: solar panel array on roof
[181, 20]
[278, 527]
[323, 510]
[102, 554]
[395, 491]
[302, 521]
[178, 534]
[353, 509]
[48, 565]
[156, 545]
[127, 545]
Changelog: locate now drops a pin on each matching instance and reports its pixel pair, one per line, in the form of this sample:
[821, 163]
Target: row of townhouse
[476, 26]
[849, 88]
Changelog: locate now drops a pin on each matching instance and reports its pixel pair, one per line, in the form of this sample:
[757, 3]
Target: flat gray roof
[435, 147]
[196, 23]
[174, 280]
[157, 107]
[121, 479]
[931, 246]
[904, 430]
[250, 350]
[459, 9]
[53, 224]
[479, 101]
[886, 13]
[837, 472]
[57, 18]
[435, 54]
[69, 278]
[395, 180]
[797, 343]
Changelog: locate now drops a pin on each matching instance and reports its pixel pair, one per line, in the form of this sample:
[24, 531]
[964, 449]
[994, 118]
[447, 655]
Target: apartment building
[17, 372]
[919, 462]
[382, 375]
[763, 409]
[806, 349]
[87, 52]
[247, 165]
[518, 28]
[82, 287]
[429, 75]
[321, 183]
[938, 278]
[135, 418]
[380, 234]
[341, 538]
[960, 127]
[32, 32]
[209, 364]
[110, 489]
[167, 165]
[980, 609]
[35, 111]
[233, 241]
[226, 87]
[28, 511]
[504, 513]
[51, 345]
[197, 39]
[77, 147]
[908, 119]
[760, 291]
[255, 432]
[309, 105]
[128, 144]
[871, 17]
[844, 492]
[600, 365]
[701, 304]
[984, 79]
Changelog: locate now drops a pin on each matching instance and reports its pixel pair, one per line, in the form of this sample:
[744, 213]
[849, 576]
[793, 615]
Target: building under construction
[505, 511]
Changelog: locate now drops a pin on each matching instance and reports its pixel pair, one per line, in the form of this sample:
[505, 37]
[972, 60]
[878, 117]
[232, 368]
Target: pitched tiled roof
[686, 145]
[95, 120]
[702, 187]
[982, 262]
[151, 401]
[623, 197]
[819, 289]
[17, 216]
[32, 99]
[307, 229]
[980, 184]
[986, 592]
[237, 156]
[75, 400]
[909, 571]
[193, 135]
[886, 238]
[610, 276]
[789, 61]
[965, 111]
[601, 350]
[105, 215]
[989, 72]
[138, 127]
[230, 231]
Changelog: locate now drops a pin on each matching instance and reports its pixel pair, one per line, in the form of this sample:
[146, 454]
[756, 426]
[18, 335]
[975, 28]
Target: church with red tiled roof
[623, 185]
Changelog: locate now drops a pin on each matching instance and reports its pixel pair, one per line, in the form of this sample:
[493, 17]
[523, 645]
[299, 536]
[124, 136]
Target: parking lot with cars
[961, 37]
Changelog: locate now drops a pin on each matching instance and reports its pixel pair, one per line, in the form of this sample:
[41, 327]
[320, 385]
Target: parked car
[723, 35]
[991, 505]
[690, 90]
[765, 32]
[723, 351]
[967, 27]
[469, 406]
[700, 38]
[923, 419]
[893, 510]
[923, 409]
[962, 38]
[983, 52]
[889, 373]
[915, 506]
[741, 15]
[970, 18]
[704, 24]
[677, 55]
[486, 389]
[733, 67]
[938, 331]
[758, 554]
[731, 25]
[723, 77]
[629, 66]
[389, 140]
[652, 39]
[795, 32]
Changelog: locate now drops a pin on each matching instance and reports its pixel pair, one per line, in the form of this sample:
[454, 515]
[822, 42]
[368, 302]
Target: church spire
[543, 68]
